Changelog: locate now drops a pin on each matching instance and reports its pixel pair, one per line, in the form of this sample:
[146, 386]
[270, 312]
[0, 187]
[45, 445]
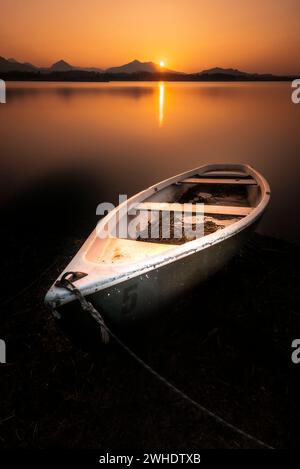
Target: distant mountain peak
[61, 65]
[61, 62]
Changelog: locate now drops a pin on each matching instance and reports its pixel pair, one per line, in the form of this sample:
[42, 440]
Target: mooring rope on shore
[106, 332]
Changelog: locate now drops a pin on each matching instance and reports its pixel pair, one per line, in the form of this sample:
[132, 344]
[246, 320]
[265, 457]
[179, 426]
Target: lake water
[103, 139]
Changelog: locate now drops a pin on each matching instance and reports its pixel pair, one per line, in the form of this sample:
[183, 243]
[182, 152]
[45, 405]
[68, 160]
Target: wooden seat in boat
[202, 180]
[194, 208]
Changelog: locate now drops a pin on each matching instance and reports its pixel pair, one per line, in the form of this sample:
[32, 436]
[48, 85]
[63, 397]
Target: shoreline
[156, 80]
[92, 76]
[230, 351]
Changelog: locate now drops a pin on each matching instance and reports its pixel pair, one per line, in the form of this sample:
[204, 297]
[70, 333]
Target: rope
[106, 332]
[65, 282]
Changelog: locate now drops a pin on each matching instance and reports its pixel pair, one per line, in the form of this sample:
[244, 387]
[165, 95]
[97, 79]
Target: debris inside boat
[226, 195]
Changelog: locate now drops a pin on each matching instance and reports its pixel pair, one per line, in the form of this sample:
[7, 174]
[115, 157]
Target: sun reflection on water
[161, 103]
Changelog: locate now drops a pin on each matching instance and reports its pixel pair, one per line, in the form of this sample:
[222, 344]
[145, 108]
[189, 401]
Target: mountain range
[140, 70]
[12, 65]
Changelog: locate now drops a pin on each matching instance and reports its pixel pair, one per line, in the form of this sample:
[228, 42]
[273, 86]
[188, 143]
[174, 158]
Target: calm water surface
[122, 137]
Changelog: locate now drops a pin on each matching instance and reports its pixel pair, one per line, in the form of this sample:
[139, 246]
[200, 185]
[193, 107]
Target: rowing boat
[129, 275]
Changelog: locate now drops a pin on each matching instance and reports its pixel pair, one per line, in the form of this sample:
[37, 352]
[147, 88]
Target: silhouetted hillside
[139, 67]
[10, 65]
[63, 66]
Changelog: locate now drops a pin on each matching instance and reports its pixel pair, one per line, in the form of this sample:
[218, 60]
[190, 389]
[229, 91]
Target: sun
[162, 63]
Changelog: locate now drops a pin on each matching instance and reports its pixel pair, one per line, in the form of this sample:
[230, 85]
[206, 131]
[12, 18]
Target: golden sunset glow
[256, 36]
[162, 63]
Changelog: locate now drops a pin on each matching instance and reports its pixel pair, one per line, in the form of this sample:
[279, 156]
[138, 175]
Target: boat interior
[190, 208]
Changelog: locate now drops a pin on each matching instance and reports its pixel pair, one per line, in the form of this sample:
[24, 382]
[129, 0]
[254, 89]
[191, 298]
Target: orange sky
[189, 35]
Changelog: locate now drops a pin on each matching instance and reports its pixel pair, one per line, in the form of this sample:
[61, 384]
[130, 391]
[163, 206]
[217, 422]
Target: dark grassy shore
[227, 345]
